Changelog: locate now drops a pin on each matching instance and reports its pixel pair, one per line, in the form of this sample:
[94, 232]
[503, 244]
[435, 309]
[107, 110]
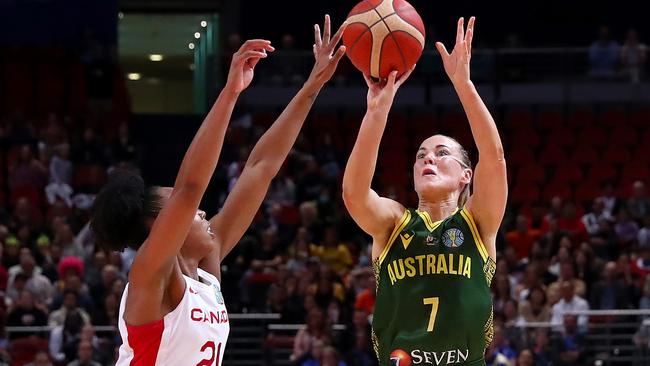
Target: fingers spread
[326, 32]
[338, 35]
[460, 31]
[406, 75]
[339, 53]
[317, 39]
[441, 49]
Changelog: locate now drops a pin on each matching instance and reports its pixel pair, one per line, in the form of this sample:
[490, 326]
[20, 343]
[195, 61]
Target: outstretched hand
[324, 52]
[382, 92]
[243, 63]
[457, 63]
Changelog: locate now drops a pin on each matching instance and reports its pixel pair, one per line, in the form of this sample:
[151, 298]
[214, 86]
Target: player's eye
[420, 156]
[442, 152]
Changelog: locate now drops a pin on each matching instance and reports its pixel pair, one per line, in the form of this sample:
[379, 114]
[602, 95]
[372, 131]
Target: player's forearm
[363, 158]
[274, 146]
[481, 122]
[201, 157]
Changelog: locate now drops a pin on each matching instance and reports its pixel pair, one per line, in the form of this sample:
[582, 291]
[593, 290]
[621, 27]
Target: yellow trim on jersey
[430, 224]
[403, 221]
[477, 237]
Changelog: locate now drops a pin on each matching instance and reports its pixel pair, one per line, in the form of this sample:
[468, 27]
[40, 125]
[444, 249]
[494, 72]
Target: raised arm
[167, 235]
[488, 201]
[271, 150]
[374, 214]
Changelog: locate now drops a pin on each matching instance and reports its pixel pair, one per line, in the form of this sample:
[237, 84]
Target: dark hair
[120, 212]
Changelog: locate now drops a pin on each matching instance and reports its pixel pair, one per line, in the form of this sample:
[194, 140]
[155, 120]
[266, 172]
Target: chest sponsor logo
[453, 238]
[431, 240]
[400, 357]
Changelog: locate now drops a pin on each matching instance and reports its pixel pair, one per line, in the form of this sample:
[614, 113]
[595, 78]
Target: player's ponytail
[121, 212]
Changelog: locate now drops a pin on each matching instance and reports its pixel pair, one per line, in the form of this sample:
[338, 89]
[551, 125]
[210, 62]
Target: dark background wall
[539, 23]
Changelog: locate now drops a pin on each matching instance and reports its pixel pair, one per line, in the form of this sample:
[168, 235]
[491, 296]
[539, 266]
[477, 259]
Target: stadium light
[204, 23]
[191, 46]
[197, 35]
[156, 57]
[134, 76]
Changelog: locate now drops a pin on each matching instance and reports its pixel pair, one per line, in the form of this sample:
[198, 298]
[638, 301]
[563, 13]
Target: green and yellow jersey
[433, 293]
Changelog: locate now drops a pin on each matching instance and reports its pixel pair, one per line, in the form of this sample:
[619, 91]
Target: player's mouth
[428, 171]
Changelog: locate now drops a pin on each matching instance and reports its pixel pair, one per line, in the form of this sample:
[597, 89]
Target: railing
[610, 337]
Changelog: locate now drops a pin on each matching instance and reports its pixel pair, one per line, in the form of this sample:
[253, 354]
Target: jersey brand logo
[453, 238]
[406, 238]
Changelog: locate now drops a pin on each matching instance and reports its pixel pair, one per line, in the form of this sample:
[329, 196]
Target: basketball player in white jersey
[172, 312]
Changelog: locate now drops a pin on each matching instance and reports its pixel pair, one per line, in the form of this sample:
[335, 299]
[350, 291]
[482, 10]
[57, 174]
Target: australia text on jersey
[430, 264]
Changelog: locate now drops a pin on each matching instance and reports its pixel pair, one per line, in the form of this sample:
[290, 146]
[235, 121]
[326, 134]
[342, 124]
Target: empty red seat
[531, 173]
[635, 170]
[612, 117]
[520, 156]
[640, 117]
[552, 155]
[524, 194]
[517, 118]
[50, 89]
[593, 136]
[550, 119]
[585, 155]
[601, 172]
[557, 189]
[645, 139]
[581, 118]
[616, 154]
[561, 137]
[568, 172]
[642, 153]
[526, 137]
[587, 191]
[33, 194]
[77, 92]
[624, 136]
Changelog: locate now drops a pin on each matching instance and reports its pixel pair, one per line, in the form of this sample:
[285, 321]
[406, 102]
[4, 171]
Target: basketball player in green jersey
[433, 264]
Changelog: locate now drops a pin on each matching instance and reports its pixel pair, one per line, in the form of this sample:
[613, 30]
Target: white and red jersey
[193, 334]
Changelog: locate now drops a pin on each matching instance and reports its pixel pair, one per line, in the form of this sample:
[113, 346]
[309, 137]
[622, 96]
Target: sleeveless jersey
[194, 333]
[433, 302]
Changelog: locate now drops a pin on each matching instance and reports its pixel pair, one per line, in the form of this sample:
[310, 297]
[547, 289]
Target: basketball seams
[383, 54]
[412, 10]
[397, 45]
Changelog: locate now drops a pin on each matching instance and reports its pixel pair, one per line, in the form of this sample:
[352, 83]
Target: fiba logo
[399, 357]
[453, 238]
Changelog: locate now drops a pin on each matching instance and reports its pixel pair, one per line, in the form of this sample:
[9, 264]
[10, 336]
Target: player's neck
[439, 209]
[189, 267]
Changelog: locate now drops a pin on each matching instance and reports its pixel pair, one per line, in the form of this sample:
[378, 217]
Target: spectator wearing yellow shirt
[333, 253]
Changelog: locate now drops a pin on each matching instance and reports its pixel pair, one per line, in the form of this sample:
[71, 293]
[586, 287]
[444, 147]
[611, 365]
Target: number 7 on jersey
[433, 301]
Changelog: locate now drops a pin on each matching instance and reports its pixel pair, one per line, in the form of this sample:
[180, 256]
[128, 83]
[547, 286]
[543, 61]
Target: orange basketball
[384, 35]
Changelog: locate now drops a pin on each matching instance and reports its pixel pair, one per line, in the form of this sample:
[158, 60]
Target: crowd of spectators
[302, 257]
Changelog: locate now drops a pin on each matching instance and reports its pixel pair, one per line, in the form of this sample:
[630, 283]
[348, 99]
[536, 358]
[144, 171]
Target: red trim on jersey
[145, 342]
